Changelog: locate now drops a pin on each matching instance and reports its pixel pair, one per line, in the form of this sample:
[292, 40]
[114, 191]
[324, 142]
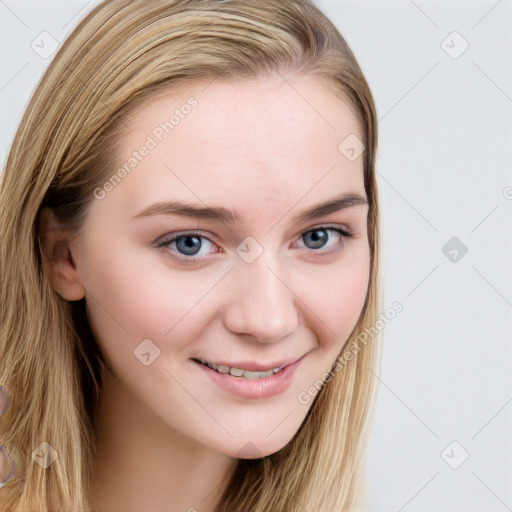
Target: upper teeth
[239, 372]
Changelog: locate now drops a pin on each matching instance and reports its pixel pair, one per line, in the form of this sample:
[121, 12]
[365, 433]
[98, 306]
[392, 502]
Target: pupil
[318, 236]
[188, 247]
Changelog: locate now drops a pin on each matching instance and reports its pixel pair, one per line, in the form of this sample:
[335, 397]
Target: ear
[58, 261]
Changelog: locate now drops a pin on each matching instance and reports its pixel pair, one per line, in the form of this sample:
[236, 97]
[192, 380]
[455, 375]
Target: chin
[254, 447]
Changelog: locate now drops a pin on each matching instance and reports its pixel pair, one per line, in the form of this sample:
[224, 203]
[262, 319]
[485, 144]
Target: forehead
[240, 141]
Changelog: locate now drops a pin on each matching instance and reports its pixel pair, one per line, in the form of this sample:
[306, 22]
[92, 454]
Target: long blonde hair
[123, 54]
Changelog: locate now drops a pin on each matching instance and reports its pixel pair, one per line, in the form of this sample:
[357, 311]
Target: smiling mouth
[240, 372]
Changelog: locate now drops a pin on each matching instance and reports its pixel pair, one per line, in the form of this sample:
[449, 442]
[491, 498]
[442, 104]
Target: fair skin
[169, 436]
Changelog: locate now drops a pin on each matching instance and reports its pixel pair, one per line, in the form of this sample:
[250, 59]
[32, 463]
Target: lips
[248, 385]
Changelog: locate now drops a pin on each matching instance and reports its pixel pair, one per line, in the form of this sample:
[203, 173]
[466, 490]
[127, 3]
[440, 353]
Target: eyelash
[345, 234]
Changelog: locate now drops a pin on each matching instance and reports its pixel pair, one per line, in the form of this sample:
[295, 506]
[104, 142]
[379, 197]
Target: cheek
[338, 294]
[132, 298]
[353, 287]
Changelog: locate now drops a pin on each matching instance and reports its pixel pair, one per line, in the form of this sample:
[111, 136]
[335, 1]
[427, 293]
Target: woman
[190, 251]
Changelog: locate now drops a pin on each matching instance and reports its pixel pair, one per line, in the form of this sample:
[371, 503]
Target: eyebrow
[219, 213]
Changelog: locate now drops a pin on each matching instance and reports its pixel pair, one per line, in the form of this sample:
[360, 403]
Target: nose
[261, 304]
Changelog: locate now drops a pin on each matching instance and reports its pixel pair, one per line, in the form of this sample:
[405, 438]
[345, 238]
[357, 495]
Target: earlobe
[58, 262]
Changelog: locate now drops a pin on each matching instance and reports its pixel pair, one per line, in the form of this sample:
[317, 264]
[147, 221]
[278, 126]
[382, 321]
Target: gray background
[444, 171]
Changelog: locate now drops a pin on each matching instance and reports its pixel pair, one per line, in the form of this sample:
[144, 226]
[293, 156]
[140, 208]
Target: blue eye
[319, 237]
[188, 245]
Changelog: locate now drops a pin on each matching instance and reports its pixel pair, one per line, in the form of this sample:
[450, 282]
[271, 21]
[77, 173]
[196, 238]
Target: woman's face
[253, 280]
